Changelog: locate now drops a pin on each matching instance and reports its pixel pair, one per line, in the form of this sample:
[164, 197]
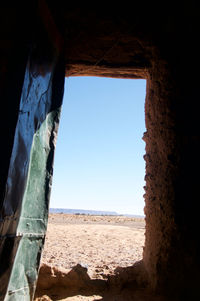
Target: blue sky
[99, 161]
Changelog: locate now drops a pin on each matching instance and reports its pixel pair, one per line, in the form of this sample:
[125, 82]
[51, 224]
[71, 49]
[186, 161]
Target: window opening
[96, 210]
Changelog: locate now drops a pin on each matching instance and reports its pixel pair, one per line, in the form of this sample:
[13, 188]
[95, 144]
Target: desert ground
[91, 246]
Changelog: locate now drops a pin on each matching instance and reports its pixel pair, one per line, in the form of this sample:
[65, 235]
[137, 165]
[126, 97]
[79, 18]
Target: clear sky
[99, 161]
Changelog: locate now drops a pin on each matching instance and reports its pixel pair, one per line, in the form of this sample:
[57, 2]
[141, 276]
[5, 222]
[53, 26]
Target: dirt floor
[87, 249]
[88, 258]
[100, 243]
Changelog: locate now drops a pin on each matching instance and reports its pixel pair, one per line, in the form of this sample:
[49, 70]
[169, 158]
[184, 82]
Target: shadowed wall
[160, 44]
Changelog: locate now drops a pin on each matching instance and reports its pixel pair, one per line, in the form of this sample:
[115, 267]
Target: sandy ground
[101, 243]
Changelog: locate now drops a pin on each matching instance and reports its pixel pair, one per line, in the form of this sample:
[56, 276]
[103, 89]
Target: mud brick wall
[159, 43]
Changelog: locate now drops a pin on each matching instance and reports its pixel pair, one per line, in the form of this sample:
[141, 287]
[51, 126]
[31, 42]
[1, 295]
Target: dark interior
[139, 40]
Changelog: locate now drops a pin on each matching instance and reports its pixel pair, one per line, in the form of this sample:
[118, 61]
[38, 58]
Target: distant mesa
[90, 212]
[82, 211]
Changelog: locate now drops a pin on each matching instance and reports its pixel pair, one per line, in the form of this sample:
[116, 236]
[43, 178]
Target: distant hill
[134, 215]
[82, 211]
[90, 212]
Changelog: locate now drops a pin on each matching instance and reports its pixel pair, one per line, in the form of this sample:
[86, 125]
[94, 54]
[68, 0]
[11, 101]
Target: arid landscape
[83, 253]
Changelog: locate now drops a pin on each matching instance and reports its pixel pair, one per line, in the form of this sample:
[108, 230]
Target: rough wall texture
[161, 171]
[172, 163]
[158, 43]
